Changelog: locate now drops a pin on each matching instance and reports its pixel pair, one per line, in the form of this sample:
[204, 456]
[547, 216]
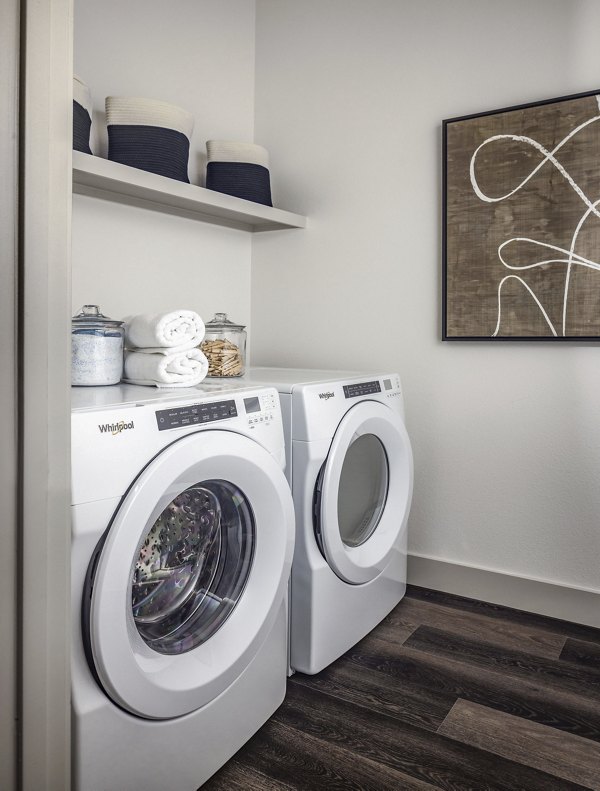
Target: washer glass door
[192, 567]
[190, 576]
[363, 492]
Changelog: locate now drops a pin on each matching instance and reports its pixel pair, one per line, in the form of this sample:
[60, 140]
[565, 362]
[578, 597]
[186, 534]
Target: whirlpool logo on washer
[115, 428]
[326, 396]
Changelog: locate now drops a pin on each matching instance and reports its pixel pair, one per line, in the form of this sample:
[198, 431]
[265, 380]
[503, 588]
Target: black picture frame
[474, 237]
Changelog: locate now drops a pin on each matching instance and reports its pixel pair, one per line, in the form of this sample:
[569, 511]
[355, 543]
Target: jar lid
[90, 316]
[221, 322]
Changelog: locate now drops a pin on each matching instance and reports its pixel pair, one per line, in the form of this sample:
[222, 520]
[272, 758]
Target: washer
[350, 468]
[183, 534]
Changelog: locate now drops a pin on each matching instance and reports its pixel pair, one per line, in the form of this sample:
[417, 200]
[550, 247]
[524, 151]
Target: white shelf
[115, 182]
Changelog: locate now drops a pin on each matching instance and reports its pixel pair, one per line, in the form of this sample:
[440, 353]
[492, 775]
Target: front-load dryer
[183, 532]
[350, 468]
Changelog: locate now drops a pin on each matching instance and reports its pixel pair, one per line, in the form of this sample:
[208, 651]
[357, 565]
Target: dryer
[350, 468]
[182, 543]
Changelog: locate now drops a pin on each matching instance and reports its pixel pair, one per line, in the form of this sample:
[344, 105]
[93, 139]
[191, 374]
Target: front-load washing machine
[350, 468]
[183, 533]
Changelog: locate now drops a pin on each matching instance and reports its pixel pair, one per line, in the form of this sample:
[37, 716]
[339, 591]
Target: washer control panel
[194, 414]
[260, 409]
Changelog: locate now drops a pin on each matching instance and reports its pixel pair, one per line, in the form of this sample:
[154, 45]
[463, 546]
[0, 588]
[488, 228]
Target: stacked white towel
[182, 369]
[162, 349]
[176, 331]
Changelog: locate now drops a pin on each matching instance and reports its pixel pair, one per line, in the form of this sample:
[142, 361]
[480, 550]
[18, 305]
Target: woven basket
[82, 116]
[149, 135]
[239, 169]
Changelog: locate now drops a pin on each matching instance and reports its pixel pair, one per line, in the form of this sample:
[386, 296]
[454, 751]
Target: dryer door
[364, 492]
[190, 575]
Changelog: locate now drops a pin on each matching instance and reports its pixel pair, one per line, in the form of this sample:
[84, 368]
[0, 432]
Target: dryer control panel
[318, 407]
[387, 385]
[361, 389]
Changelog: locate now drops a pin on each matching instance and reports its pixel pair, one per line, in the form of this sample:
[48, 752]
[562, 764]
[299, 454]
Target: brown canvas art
[522, 222]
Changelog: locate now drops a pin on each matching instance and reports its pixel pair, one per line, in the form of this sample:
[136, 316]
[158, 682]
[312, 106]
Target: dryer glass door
[363, 489]
[363, 492]
[191, 574]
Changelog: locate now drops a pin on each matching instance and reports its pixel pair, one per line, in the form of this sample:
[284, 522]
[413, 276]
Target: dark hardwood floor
[446, 693]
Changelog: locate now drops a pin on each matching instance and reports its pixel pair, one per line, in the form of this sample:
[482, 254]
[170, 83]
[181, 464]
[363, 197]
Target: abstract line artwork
[522, 222]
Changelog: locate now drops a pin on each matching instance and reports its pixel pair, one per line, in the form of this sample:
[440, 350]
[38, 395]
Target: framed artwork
[521, 225]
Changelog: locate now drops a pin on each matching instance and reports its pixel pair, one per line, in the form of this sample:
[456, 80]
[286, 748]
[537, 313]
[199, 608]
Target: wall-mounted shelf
[112, 181]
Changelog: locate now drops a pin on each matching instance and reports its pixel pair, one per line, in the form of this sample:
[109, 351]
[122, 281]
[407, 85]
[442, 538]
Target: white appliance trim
[170, 686]
[357, 565]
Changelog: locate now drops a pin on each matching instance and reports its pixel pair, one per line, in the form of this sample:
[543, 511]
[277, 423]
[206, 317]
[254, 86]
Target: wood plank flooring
[447, 693]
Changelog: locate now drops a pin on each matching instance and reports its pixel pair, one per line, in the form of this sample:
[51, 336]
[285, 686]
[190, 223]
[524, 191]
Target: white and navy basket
[240, 169]
[149, 135]
[82, 116]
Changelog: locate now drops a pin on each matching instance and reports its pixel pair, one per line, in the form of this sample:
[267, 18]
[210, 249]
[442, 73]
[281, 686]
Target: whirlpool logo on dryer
[115, 428]
[327, 395]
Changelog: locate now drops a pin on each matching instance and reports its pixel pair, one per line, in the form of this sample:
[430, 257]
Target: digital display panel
[252, 405]
[363, 388]
[195, 414]
[387, 383]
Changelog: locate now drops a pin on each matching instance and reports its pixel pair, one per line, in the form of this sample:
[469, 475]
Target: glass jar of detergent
[224, 345]
[96, 348]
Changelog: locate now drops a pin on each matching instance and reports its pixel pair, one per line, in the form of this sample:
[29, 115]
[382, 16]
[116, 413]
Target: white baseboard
[581, 605]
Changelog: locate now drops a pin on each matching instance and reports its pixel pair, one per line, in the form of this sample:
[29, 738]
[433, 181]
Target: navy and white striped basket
[82, 116]
[150, 135]
[239, 169]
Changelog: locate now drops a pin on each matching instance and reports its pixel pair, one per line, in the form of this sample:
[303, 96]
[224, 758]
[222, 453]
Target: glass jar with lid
[224, 345]
[96, 348]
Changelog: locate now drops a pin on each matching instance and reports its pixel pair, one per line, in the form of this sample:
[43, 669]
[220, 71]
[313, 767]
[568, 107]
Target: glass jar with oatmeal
[224, 345]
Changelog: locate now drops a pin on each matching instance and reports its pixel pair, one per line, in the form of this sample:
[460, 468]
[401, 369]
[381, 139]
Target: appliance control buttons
[197, 413]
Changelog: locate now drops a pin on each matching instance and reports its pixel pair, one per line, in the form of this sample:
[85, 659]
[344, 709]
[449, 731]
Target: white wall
[198, 54]
[349, 99]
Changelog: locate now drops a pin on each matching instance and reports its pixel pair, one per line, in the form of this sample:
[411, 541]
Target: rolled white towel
[177, 369]
[164, 333]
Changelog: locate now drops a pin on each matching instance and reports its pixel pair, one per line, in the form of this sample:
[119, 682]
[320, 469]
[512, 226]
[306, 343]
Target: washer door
[191, 574]
[363, 492]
